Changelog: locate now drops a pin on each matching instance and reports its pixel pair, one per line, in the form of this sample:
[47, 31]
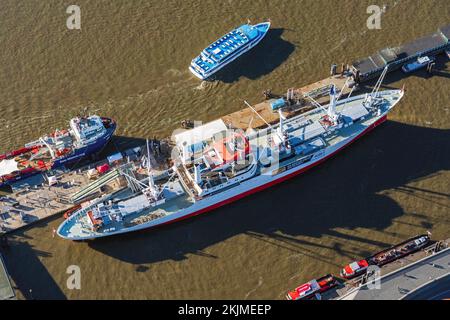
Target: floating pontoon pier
[371, 67]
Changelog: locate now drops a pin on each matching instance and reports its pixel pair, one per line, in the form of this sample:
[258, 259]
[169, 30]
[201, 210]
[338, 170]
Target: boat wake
[204, 85]
[260, 282]
[175, 72]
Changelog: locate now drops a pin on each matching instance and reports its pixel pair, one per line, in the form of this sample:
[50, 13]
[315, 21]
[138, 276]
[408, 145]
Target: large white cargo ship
[215, 165]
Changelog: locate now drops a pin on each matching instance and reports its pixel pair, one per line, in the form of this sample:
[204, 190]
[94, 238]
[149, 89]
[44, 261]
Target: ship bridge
[191, 143]
[86, 129]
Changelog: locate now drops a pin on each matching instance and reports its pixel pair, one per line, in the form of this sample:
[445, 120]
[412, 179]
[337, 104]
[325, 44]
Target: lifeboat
[69, 212]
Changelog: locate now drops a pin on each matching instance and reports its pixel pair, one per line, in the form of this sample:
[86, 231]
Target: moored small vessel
[400, 250]
[227, 49]
[354, 269]
[313, 288]
[86, 136]
[417, 64]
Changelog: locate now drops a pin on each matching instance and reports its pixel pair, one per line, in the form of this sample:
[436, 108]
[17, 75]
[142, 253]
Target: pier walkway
[33, 199]
[399, 284]
[246, 118]
[37, 202]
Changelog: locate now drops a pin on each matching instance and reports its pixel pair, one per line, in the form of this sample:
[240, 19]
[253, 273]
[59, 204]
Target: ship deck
[176, 200]
[246, 118]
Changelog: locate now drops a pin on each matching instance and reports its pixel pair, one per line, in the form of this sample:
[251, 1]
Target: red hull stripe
[274, 182]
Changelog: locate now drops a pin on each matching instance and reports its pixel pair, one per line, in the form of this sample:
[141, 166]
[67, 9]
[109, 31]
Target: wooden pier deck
[246, 118]
[37, 201]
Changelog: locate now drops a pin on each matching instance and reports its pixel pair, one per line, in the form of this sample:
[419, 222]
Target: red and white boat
[216, 165]
[354, 269]
[313, 288]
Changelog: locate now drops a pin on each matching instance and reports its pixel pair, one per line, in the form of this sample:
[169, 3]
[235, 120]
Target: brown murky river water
[130, 62]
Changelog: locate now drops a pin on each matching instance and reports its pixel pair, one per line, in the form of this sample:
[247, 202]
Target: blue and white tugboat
[86, 136]
[227, 49]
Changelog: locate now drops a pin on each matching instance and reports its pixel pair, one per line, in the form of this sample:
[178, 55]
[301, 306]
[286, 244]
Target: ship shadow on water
[344, 192]
[29, 274]
[259, 61]
[24, 261]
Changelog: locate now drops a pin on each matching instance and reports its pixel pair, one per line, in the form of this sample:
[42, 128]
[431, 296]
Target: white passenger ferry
[227, 49]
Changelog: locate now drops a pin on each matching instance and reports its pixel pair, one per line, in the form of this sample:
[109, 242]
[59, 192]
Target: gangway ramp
[100, 182]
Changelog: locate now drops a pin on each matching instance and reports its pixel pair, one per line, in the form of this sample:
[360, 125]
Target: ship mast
[151, 181]
[374, 94]
[280, 128]
[332, 106]
[197, 175]
[376, 89]
[268, 124]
